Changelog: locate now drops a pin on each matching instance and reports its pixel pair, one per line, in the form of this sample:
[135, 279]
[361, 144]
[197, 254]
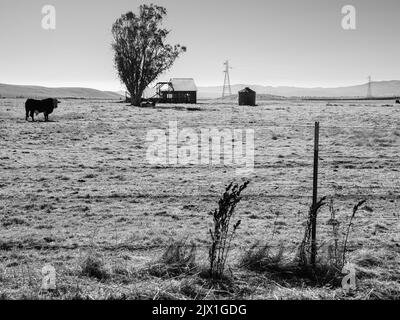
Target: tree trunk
[136, 99]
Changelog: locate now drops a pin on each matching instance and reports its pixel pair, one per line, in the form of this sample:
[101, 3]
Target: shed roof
[247, 89]
[183, 84]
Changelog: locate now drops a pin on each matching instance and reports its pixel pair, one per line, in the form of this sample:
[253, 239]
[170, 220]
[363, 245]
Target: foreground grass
[100, 275]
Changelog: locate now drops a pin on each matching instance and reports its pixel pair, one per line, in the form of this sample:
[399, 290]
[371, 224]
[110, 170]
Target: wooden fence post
[315, 195]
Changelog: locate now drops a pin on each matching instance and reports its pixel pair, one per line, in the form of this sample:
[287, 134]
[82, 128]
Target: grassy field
[78, 193]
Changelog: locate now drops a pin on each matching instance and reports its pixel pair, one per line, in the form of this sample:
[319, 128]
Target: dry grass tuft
[92, 265]
[178, 259]
[260, 258]
[275, 265]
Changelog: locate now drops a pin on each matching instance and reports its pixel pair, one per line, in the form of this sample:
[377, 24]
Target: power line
[369, 91]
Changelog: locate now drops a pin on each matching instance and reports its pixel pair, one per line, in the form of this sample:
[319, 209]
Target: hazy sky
[269, 42]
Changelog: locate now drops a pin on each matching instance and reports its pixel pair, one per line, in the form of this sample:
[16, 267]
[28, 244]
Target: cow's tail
[26, 110]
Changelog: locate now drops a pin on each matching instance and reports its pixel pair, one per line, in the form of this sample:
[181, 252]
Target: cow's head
[55, 103]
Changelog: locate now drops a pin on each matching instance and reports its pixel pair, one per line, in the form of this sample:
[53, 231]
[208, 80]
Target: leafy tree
[141, 51]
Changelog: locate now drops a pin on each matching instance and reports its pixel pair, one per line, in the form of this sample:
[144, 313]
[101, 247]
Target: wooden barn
[177, 90]
[247, 97]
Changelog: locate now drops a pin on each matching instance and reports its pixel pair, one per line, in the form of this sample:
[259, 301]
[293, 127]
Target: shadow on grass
[173, 107]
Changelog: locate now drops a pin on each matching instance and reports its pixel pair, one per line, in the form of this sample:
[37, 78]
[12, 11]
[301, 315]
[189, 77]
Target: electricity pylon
[227, 81]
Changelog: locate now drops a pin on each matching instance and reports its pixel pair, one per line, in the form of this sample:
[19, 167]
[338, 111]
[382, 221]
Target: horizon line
[82, 86]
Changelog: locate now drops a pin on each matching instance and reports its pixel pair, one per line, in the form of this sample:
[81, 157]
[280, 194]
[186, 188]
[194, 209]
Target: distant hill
[21, 91]
[379, 89]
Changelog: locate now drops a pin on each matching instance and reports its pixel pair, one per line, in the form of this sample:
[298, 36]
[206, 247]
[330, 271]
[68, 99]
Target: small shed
[247, 97]
[177, 90]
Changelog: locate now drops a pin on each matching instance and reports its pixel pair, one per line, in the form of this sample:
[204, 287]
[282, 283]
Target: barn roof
[247, 89]
[183, 84]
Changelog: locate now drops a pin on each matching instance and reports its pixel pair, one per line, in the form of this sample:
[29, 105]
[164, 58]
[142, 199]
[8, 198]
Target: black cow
[38, 106]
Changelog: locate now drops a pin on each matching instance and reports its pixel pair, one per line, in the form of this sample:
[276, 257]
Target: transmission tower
[227, 81]
[369, 91]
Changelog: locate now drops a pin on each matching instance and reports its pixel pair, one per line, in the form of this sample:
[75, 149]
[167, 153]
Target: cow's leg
[26, 115]
[46, 117]
[33, 119]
